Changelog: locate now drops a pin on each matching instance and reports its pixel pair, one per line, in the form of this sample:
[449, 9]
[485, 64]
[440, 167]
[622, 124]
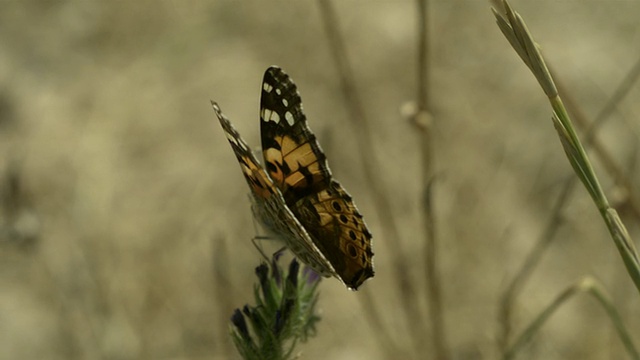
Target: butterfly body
[294, 195]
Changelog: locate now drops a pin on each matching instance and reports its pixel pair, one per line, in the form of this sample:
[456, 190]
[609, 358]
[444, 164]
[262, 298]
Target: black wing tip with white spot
[239, 146]
[224, 121]
[273, 70]
[280, 104]
[218, 111]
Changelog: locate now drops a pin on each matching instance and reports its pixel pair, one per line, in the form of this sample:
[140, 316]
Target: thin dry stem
[586, 285]
[529, 265]
[221, 286]
[590, 129]
[383, 205]
[433, 285]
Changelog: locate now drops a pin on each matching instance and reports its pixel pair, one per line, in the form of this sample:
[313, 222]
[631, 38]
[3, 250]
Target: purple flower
[238, 320]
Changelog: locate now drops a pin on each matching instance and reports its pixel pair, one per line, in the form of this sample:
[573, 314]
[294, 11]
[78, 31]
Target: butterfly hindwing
[331, 217]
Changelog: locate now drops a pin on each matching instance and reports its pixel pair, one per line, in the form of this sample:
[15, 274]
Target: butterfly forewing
[293, 157]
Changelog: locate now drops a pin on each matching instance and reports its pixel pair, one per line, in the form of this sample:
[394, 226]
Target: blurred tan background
[126, 224]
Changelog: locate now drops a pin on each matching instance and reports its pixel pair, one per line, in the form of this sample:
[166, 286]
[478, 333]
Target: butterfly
[294, 195]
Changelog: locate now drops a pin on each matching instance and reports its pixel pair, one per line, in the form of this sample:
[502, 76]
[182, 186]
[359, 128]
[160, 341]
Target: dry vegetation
[125, 219]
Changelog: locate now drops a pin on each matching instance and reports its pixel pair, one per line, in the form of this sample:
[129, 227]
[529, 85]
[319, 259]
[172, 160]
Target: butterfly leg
[279, 252]
[254, 240]
[276, 254]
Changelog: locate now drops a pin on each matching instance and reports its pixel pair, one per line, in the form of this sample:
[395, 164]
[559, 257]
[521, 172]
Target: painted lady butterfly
[294, 195]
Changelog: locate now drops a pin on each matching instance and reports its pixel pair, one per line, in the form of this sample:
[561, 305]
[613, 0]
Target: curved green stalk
[516, 32]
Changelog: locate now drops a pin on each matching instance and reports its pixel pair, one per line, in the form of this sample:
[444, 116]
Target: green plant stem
[589, 128]
[513, 27]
